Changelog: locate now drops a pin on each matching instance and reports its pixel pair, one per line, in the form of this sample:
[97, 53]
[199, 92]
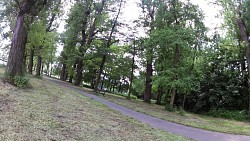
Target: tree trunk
[148, 88]
[15, 65]
[51, 70]
[110, 89]
[120, 88]
[16, 58]
[63, 72]
[132, 73]
[79, 69]
[92, 83]
[243, 33]
[31, 59]
[103, 78]
[107, 46]
[172, 98]
[66, 75]
[100, 73]
[159, 96]
[71, 79]
[176, 61]
[39, 66]
[71, 75]
[184, 101]
[114, 87]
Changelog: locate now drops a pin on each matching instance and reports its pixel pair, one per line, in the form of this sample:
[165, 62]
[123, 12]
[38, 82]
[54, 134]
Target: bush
[170, 109]
[19, 81]
[182, 112]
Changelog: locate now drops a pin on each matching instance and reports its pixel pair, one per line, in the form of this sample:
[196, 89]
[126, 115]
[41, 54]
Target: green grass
[51, 112]
[181, 117]
[189, 119]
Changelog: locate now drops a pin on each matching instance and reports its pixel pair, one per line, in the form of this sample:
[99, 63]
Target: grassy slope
[190, 119]
[194, 120]
[50, 112]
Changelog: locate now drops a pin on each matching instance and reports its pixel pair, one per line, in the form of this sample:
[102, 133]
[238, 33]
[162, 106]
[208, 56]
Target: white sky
[131, 12]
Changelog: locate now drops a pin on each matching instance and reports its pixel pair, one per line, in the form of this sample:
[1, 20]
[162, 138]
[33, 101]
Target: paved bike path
[190, 132]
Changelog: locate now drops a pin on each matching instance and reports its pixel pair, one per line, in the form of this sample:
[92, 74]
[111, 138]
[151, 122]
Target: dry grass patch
[50, 112]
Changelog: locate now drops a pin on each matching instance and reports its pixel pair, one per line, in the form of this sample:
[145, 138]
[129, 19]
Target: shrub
[170, 109]
[19, 81]
[182, 112]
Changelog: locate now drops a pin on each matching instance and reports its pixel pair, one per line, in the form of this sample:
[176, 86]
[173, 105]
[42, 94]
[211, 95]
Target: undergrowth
[19, 81]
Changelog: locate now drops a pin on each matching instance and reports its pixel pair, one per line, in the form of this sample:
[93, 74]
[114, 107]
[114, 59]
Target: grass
[189, 119]
[51, 112]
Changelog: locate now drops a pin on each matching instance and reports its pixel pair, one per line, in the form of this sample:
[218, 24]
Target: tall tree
[238, 13]
[87, 34]
[109, 42]
[16, 59]
[149, 8]
[177, 35]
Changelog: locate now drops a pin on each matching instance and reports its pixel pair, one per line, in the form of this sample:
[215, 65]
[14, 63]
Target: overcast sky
[131, 12]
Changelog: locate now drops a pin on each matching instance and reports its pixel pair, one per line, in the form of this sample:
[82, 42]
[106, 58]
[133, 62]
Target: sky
[210, 11]
[131, 12]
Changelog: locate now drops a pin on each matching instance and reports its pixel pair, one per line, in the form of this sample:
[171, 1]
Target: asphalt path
[178, 129]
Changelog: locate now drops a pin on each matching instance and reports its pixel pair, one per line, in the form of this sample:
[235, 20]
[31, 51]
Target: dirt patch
[6, 105]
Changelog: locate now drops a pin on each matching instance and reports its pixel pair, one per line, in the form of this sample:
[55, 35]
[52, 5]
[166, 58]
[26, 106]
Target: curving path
[190, 132]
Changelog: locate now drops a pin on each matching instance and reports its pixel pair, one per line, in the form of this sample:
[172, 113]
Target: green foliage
[138, 86]
[19, 81]
[223, 84]
[182, 112]
[170, 109]
[232, 114]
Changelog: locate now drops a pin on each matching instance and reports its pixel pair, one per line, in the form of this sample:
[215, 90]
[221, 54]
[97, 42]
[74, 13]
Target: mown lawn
[51, 112]
[189, 119]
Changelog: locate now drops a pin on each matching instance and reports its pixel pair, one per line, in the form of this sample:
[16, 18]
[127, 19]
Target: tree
[16, 59]
[109, 42]
[48, 17]
[149, 7]
[86, 41]
[239, 18]
[178, 32]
